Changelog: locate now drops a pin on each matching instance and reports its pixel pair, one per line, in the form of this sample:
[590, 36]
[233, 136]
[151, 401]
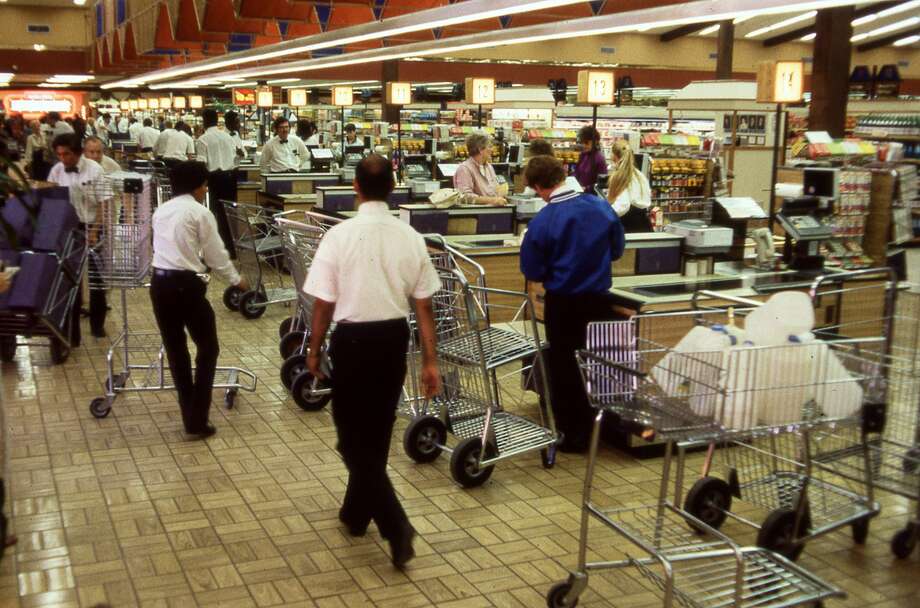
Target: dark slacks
[222, 187]
[369, 367]
[179, 304]
[98, 303]
[566, 318]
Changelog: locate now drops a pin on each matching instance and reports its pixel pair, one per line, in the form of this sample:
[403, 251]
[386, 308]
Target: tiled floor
[126, 511]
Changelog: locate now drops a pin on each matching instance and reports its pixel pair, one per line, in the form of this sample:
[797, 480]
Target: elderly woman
[475, 177]
[37, 152]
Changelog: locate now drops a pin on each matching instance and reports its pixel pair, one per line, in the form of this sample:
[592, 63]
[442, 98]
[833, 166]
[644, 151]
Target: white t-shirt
[370, 266]
[147, 137]
[178, 145]
[159, 147]
[217, 149]
[638, 194]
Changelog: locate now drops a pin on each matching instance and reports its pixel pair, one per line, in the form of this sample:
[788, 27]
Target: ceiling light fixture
[781, 24]
[891, 27]
[38, 47]
[79, 2]
[908, 40]
[808, 37]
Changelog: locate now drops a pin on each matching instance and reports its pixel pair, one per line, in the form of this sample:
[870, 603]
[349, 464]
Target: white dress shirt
[240, 148]
[370, 266]
[123, 125]
[278, 156]
[109, 165]
[135, 129]
[217, 149]
[147, 137]
[638, 194]
[60, 128]
[159, 148]
[184, 233]
[313, 140]
[178, 145]
[81, 186]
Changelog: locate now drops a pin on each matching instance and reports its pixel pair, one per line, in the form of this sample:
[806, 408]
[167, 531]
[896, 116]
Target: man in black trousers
[363, 276]
[217, 148]
[183, 227]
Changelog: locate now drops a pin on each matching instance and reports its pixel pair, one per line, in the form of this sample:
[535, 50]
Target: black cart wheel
[464, 463]
[252, 304]
[292, 343]
[556, 596]
[860, 529]
[709, 500]
[291, 368]
[59, 351]
[99, 407]
[7, 348]
[303, 392]
[778, 533]
[903, 543]
[230, 398]
[232, 297]
[548, 456]
[423, 438]
[285, 327]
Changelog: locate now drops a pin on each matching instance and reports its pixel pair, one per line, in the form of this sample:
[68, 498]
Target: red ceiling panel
[395, 8]
[189, 28]
[621, 6]
[220, 16]
[344, 15]
[277, 9]
[164, 38]
[298, 29]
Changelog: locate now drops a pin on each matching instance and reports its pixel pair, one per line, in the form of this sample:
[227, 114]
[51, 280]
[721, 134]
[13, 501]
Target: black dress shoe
[353, 529]
[401, 547]
[208, 430]
[99, 333]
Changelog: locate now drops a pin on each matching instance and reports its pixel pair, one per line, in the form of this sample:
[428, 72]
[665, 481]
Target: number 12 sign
[595, 87]
[480, 91]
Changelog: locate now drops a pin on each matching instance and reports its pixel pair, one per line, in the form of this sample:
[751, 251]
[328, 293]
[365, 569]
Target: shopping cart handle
[721, 296]
[586, 356]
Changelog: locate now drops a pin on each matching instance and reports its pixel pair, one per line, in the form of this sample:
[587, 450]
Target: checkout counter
[459, 220]
[337, 199]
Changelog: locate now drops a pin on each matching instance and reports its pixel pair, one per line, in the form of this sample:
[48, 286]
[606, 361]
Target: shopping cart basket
[260, 257]
[689, 561]
[121, 252]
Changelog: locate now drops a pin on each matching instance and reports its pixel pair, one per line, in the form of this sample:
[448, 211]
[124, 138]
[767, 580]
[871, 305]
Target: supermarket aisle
[126, 511]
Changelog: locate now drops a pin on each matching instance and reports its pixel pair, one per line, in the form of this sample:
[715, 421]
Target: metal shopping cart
[482, 365]
[300, 240]
[679, 396]
[159, 176]
[121, 252]
[260, 257]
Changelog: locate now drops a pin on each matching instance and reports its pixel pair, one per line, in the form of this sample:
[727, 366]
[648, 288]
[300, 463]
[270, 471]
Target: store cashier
[475, 178]
[569, 247]
[628, 190]
[284, 152]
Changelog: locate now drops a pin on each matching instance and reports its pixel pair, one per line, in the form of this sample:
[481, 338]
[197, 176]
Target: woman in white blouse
[628, 190]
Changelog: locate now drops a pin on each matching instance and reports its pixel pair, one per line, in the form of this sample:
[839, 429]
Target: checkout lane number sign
[780, 81]
[399, 93]
[343, 96]
[595, 87]
[480, 91]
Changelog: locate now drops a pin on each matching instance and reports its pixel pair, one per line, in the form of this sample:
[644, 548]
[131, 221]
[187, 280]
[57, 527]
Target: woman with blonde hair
[628, 190]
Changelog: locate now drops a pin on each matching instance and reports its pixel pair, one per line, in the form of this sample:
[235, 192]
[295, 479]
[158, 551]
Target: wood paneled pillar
[389, 72]
[725, 50]
[830, 77]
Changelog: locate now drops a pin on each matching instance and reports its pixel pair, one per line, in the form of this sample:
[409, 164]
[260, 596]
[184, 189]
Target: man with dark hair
[363, 276]
[58, 126]
[218, 150]
[569, 247]
[232, 123]
[147, 136]
[80, 175]
[159, 148]
[284, 152]
[351, 134]
[541, 147]
[183, 227]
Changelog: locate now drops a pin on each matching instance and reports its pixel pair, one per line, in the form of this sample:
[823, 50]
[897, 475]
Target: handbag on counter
[445, 198]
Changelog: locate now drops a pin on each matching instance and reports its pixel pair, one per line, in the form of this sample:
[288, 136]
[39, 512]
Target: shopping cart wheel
[464, 463]
[709, 500]
[304, 394]
[291, 344]
[59, 351]
[556, 596]
[291, 368]
[232, 297]
[250, 304]
[860, 529]
[7, 348]
[99, 407]
[904, 542]
[423, 438]
[778, 533]
[230, 398]
[285, 327]
[548, 457]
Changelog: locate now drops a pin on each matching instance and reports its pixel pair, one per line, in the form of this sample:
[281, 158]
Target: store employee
[284, 152]
[628, 190]
[186, 243]
[569, 247]
[218, 149]
[364, 274]
[475, 178]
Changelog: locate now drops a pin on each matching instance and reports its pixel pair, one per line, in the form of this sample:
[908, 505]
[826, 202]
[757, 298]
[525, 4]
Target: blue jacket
[571, 243]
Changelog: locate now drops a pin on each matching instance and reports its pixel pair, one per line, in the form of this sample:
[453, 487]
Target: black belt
[167, 273]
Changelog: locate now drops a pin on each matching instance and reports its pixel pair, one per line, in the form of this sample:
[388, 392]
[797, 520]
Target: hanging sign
[595, 87]
[780, 81]
[196, 102]
[399, 93]
[244, 97]
[297, 97]
[343, 96]
[480, 91]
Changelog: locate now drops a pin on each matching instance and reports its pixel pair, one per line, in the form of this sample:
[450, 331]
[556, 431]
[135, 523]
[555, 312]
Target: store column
[725, 50]
[830, 74]
[389, 72]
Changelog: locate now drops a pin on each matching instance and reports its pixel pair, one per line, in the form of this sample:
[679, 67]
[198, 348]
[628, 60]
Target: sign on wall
[32, 104]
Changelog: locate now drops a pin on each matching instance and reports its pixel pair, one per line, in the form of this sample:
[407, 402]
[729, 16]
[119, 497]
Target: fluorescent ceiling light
[712, 29]
[71, 78]
[39, 47]
[891, 27]
[908, 40]
[79, 2]
[54, 85]
[280, 80]
[6, 76]
[808, 37]
[894, 10]
[781, 24]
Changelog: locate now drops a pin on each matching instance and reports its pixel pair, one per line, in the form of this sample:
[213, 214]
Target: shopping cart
[159, 177]
[300, 240]
[482, 365]
[678, 396]
[121, 252]
[260, 257]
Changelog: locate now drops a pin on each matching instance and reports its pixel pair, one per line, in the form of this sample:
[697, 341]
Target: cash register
[802, 220]
[320, 159]
[354, 153]
[418, 176]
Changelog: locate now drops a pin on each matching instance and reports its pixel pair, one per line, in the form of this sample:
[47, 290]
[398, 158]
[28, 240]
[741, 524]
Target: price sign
[141, 104]
[780, 81]
[153, 104]
[297, 97]
[595, 87]
[343, 96]
[480, 91]
[124, 105]
[132, 104]
[165, 103]
[399, 93]
[264, 97]
[196, 102]
[179, 103]
[244, 97]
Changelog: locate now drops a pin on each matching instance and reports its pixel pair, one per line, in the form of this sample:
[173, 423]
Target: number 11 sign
[595, 87]
[780, 81]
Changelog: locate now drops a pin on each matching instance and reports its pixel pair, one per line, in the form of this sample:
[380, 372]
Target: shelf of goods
[678, 178]
[900, 128]
[839, 148]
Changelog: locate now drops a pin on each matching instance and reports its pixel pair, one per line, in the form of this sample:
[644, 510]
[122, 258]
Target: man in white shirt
[134, 128]
[179, 145]
[81, 175]
[284, 152]
[103, 127]
[159, 148]
[232, 123]
[185, 240]
[147, 136]
[218, 150]
[58, 126]
[123, 124]
[94, 150]
[363, 276]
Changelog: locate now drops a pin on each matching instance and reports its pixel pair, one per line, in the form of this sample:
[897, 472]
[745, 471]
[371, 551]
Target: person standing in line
[185, 244]
[159, 148]
[80, 175]
[37, 152]
[218, 150]
[628, 190]
[134, 128]
[58, 126]
[147, 137]
[123, 123]
[179, 145]
[569, 246]
[93, 149]
[283, 152]
[232, 122]
[591, 161]
[363, 276]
